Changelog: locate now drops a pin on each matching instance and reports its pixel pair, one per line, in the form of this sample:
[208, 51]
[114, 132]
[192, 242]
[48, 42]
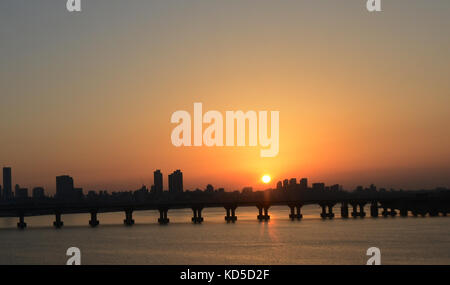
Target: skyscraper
[303, 183]
[7, 183]
[65, 189]
[176, 182]
[158, 180]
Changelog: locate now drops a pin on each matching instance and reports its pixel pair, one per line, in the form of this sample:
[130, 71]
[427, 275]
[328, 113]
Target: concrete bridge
[348, 206]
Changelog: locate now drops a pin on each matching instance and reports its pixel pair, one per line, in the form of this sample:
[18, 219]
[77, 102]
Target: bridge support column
[433, 212]
[163, 220]
[323, 215]
[58, 223]
[21, 224]
[128, 217]
[404, 212]
[355, 211]
[374, 209]
[344, 210]
[93, 222]
[231, 214]
[393, 212]
[299, 215]
[197, 218]
[264, 216]
[260, 214]
[330, 214]
[362, 214]
[266, 213]
[296, 212]
[292, 214]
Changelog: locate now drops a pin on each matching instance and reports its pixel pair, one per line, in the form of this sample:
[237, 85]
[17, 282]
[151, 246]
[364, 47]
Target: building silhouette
[38, 193]
[20, 193]
[158, 181]
[280, 185]
[304, 183]
[7, 183]
[176, 182]
[65, 189]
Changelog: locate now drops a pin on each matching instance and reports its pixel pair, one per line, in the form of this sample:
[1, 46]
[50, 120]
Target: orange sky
[362, 98]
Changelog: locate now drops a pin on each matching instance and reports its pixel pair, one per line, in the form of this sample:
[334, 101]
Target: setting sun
[266, 179]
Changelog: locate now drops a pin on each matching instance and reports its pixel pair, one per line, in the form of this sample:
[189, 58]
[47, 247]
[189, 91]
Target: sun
[266, 179]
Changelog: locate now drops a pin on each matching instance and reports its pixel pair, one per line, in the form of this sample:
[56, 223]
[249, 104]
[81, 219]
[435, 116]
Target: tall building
[318, 186]
[304, 183]
[158, 180]
[7, 183]
[176, 182]
[279, 185]
[65, 189]
[20, 193]
[38, 193]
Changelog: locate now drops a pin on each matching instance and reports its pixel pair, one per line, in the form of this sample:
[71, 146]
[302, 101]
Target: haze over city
[91, 95]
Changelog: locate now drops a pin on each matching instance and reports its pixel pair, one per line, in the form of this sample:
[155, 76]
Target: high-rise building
[158, 180]
[7, 183]
[20, 193]
[65, 189]
[176, 182]
[293, 181]
[318, 186]
[280, 185]
[304, 183]
[38, 193]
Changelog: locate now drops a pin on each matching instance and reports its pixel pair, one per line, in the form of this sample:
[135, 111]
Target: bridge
[384, 204]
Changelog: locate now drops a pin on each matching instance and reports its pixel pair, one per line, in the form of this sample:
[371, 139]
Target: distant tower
[7, 183]
[285, 183]
[279, 185]
[64, 187]
[176, 182]
[304, 183]
[158, 180]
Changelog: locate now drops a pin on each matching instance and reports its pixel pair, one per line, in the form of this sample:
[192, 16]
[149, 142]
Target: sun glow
[266, 179]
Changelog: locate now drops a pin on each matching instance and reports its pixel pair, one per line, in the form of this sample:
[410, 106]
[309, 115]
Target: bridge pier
[128, 217]
[21, 224]
[362, 214]
[93, 222]
[299, 212]
[266, 216]
[231, 214]
[58, 223]
[295, 212]
[323, 215]
[330, 211]
[433, 212]
[197, 218]
[374, 209]
[403, 212]
[163, 220]
[344, 210]
[292, 215]
[393, 212]
[355, 211]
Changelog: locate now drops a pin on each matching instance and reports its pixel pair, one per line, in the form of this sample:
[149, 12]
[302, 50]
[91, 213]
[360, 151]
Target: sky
[363, 97]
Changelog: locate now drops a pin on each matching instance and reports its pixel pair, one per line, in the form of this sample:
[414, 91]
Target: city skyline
[91, 93]
[66, 191]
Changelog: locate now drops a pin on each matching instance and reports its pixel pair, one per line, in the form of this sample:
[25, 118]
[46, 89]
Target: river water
[411, 240]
